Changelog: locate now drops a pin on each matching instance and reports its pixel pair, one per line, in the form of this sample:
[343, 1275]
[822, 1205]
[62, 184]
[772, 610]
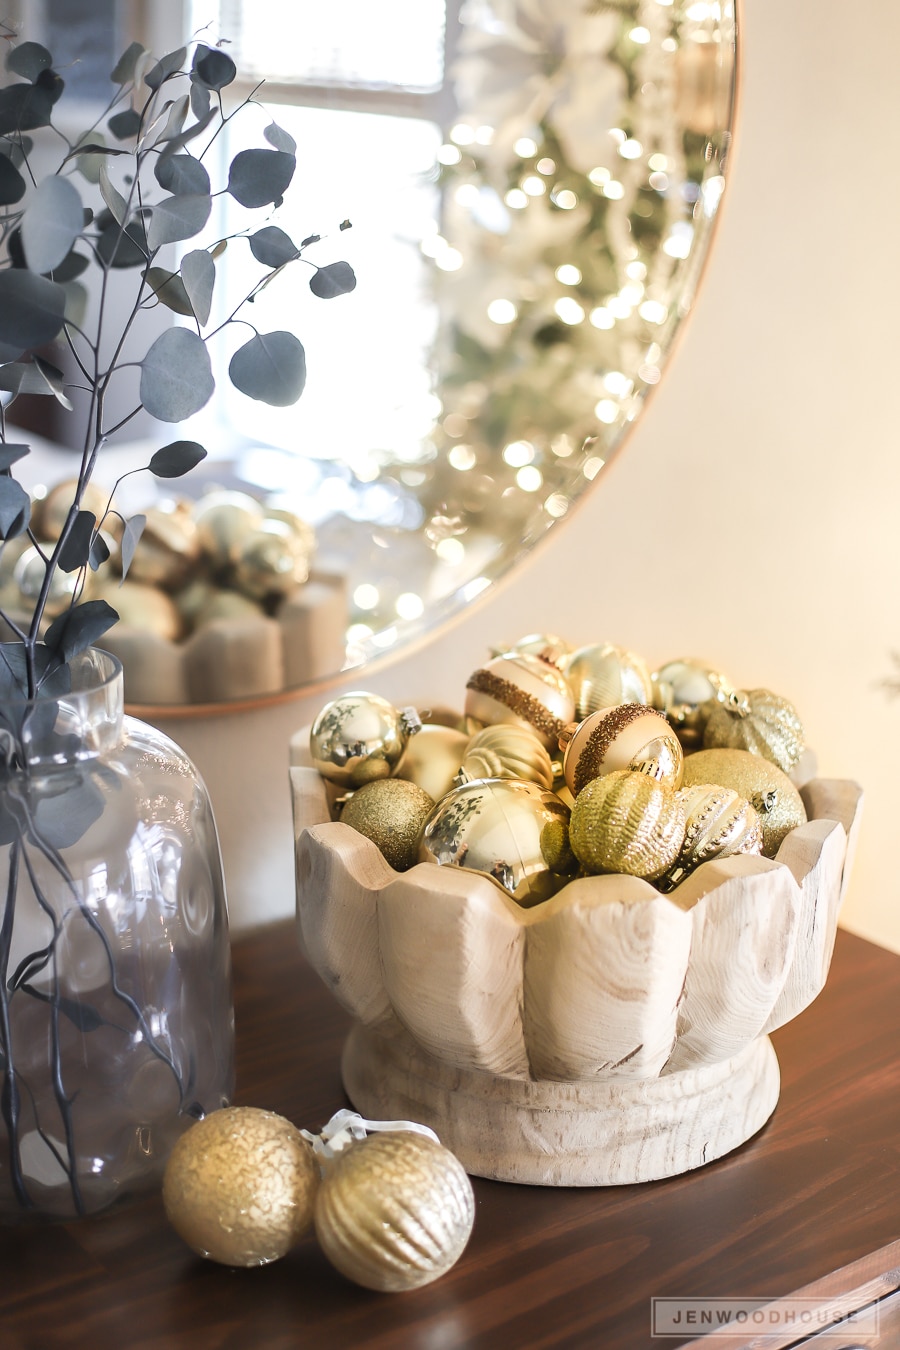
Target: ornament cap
[410, 720]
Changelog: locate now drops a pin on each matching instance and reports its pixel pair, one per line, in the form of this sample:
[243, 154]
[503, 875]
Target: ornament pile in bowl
[222, 599]
[566, 917]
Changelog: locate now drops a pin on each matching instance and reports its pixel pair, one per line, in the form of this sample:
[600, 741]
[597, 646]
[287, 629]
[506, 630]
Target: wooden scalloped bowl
[609, 1035]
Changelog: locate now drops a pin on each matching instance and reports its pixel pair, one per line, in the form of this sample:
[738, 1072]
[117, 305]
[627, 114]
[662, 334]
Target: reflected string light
[449, 260]
[659, 181]
[451, 551]
[602, 318]
[461, 134]
[568, 310]
[462, 457]
[679, 240]
[649, 374]
[518, 453]
[565, 199]
[613, 190]
[556, 505]
[592, 467]
[599, 176]
[618, 307]
[562, 446]
[387, 638]
[449, 155]
[409, 605]
[654, 311]
[607, 411]
[474, 587]
[636, 271]
[534, 186]
[640, 35]
[546, 165]
[631, 149]
[658, 162]
[631, 295]
[358, 633]
[366, 596]
[484, 135]
[455, 425]
[529, 479]
[525, 147]
[516, 199]
[568, 274]
[502, 311]
[618, 384]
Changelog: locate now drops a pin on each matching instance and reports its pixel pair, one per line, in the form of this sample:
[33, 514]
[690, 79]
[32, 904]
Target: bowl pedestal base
[606, 1132]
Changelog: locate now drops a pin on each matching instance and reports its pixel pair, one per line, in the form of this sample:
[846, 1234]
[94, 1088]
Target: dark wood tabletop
[816, 1189]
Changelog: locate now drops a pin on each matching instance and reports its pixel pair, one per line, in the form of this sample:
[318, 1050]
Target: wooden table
[817, 1189]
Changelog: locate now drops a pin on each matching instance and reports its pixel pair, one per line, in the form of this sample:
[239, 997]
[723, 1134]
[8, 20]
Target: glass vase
[116, 1018]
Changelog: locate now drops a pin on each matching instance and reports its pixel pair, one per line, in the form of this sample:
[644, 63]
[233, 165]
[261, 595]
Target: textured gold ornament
[391, 812]
[521, 689]
[718, 822]
[629, 736]
[433, 757]
[394, 1211]
[507, 751]
[759, 721]
[359, 738]
[627, 822]
[683, 692]
[602, 675]
[768, 790]
[497, 826]
[240, 1186]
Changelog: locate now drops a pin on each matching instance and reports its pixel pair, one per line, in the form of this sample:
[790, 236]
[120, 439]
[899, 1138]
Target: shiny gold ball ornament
[391, 812]
[270, 561]
[223, 519]
[602, 675]
[719, 822]
[360, 737]
[683, 691]
[433, 757]
[759, 721]
[768, 790]
[29, 574]
[627, 822]
[628, 736]
[50, 512]
[240, 1186]
[394, 1211]
[168, 550]
[545, 645]
[523, 690]
[507, 829]
[507, 751]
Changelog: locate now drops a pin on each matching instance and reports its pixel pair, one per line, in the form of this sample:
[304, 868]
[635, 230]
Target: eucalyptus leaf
[272, 247]
[112, 196]
[72, 266]
[281, 139]
[78, 628]
[176, 218]
[169, 289]
[12, 184]
[213, 67]
[28, 59]
[24, 107]
[271, 367]
[131, 537]
[62, 818]
[31, 308]
[176, 376]
[76, 303]
[123, 248]
[51, 223]
[176, 459]
[76, 551]
[53, 381]
[177, 143]
[11, 452]
[124, 125]
[200, 100]
[123, 72]
[99, 553]
[15, 508]
[180, 174]
[198, 273]
[165, 67]
[168, 125]
[337, 278]
[260, 177]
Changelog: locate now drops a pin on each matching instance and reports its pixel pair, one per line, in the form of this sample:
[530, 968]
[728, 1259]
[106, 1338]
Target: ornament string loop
[347, 1127]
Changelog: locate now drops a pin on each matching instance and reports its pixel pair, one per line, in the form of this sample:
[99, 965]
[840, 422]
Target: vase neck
[65, 727]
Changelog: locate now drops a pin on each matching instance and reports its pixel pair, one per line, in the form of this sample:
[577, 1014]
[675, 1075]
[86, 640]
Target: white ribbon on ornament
[346, 1127]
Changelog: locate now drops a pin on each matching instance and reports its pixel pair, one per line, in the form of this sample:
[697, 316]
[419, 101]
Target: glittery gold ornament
[391, 812]
[360, 737]
[768, 790]
[759, 721]
[602, 675]
[169, 548]
[240, 1186]
[499, 826]
[523, 690]
[507, 751]
[718, 822]
[682, 692]
[270, 561]
[627, 822]
[394, 1211]
[629, 736]
[433, 757]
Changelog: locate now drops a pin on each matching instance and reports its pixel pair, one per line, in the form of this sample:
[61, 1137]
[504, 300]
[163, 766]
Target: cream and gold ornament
[395, 1208]
[603, 674]
[433, 757]
[240, 1186]
[629, 736]
[360, 737]
[768, 790]
[507, 751]
[718, 823]
[511, 830]
[627, 822]
[759, 721]
[391, 812]
[521, 689]
[547, 646]
[683, 691]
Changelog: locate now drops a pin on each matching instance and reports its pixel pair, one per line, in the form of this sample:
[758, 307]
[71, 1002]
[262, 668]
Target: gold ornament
[545, 645]
[240, 1186]
[759, 721]
[682, 692]
[627, 822]
[144, 607]
[499, 826]
[360, 737]
[629, 736]
[602, 675]
[223, 518]
[523, 690]
[28, 580]
[168, 549]
[391, 812]
[270, 561]
[394, 1211]
[219, 603]
[768, 790]
[51, 512]
[718, 823]
[433, 757]
[507, 751]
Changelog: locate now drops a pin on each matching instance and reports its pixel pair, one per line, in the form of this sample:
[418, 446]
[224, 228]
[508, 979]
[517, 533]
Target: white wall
[752, 518]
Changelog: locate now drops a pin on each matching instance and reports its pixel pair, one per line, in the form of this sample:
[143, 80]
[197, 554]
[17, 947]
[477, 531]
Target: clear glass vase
[116, 1017]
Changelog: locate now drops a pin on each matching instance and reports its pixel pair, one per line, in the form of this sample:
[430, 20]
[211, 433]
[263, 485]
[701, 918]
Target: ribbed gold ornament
[768, 790]
[240, 1186]
[391, 812]
[627, 822]
[394, 1211]
[718, 823]
[759, 721]
[433, 757]
[683, 691]
[602, 675]
[507, 751]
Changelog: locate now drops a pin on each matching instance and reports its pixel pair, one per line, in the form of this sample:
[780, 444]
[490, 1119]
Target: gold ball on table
[683, 691]
[759, 721]
[627, 822]
[360, 737]
[768, 790]
[391, 812]
[602, 675]
[394, 1211]
[507, 751]
[523, 690]
[240, 1186]
[629, 736]
[433, 757]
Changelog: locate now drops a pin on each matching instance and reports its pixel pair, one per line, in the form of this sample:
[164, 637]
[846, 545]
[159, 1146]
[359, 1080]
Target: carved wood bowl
[612, 1034]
